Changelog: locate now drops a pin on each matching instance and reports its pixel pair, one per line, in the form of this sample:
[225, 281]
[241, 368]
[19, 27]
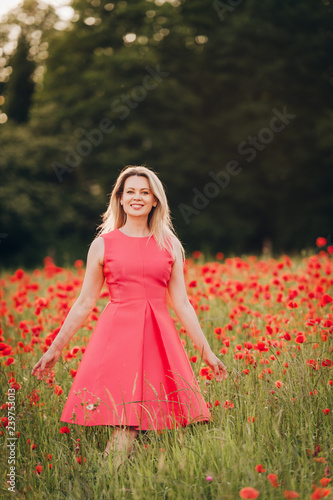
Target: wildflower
[19, 273]
[262, 347]
[326, 299]
[39, 469]
[326, 411]
[272, 478]
[78, 263]
[58, 390]
[209, 478]
[259, 468]
[64, 430]
[324, 481]
[289, 494]
[203, 372]
[320, 493]
[248, 492]
[301, 338]
[321, 241]
[292, 305]
[279, 384]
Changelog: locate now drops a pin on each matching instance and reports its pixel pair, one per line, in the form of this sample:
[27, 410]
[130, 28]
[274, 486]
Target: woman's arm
[91, 288]
[187, 316]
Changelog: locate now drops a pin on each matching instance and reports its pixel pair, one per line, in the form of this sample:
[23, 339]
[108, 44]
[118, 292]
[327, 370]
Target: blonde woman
[134, 374]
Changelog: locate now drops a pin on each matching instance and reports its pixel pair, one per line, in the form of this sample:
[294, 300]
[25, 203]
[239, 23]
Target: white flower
[90, 406]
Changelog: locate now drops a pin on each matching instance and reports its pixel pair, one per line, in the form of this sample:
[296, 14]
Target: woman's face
[137, 198]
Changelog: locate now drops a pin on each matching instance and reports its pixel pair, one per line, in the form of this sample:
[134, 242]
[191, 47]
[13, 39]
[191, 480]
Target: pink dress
[135, 370]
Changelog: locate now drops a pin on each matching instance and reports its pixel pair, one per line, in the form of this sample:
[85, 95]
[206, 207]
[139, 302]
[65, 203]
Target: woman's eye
[130, 192]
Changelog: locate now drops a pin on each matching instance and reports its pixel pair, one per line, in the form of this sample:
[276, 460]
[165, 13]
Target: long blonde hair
[159, 219]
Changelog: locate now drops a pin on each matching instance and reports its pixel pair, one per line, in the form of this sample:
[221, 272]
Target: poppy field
[270, 320]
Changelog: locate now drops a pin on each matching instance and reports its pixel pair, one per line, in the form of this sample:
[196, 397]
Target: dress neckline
[132, 236]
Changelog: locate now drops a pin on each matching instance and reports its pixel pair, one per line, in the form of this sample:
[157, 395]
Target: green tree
[221, 75]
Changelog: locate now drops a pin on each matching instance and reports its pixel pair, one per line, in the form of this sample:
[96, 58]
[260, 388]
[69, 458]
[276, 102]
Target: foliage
[226, 73]
[270, 320]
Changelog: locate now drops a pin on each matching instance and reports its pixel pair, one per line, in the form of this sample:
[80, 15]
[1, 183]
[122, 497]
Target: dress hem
[137, 428]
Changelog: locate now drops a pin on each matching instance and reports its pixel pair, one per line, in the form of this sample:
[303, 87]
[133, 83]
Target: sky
[60, 6]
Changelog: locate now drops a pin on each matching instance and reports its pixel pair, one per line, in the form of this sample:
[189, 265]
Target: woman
[135, 374]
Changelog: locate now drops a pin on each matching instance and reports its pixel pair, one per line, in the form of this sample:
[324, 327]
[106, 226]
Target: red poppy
[324, 481]
[248, 492]
[204, 371]
[326, 411]
[321, 242]
[301, 338]
[279, 384]
[320, 493]
[289, 494]
[58, 390]
[259, 468]
[272, 478]
[78, 263]
[326, 299]
[64, 430]
[19, 273]
[262, 347]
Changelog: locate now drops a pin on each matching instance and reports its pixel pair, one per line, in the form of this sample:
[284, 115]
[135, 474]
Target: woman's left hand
[216, 365]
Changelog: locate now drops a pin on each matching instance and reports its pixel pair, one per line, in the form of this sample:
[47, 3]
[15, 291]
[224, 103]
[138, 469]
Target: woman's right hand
[218, 368]
[46, 362]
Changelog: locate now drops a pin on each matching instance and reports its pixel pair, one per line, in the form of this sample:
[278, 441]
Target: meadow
[271, 322]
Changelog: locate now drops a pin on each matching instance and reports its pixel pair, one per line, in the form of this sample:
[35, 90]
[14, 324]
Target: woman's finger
[35, 368]
[223, 370]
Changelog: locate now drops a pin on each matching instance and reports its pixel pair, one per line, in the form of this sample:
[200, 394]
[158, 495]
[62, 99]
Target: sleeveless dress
[135, 370]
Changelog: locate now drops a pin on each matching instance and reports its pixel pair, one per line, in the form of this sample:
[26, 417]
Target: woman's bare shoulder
[177, 247]
[97, 249]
